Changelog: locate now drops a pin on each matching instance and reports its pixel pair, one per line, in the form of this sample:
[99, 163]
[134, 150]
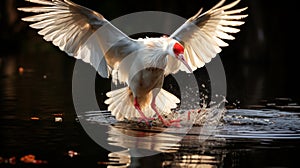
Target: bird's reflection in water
[186, 146]
[132, 143]
[174, 150]
[142, 141]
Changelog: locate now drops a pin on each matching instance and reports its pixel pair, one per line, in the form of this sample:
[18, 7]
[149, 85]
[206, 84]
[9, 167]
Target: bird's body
[142, 63]
[143, 71]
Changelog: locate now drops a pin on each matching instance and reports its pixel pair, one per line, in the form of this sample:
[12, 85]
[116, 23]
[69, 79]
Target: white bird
[142, 63]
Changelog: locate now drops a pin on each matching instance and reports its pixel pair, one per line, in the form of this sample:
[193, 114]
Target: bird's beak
[181, 58]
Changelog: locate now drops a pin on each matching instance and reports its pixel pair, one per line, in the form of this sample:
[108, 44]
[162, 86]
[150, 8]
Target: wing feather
[203, 34]
[80, 32]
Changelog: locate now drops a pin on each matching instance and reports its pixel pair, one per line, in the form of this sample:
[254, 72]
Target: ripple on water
[233, 123]
[260, 124]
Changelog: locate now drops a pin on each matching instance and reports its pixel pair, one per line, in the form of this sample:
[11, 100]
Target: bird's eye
[178, 49]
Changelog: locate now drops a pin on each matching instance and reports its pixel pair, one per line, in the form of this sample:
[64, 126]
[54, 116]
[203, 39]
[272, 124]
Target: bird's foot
[169, 123]
[175, 123]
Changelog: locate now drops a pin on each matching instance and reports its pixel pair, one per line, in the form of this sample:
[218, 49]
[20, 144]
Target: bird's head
[177, 50]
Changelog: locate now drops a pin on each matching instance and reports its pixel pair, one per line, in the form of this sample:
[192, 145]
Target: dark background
[260, 64]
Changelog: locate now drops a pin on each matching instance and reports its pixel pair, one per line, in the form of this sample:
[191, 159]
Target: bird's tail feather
[165, 101]
[120, 103]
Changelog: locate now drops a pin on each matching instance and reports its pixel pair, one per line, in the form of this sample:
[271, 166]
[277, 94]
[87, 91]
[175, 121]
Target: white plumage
[141, 64]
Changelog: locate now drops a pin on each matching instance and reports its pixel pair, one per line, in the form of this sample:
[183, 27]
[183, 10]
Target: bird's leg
[153, 105]
[165, 123]
[138, 107]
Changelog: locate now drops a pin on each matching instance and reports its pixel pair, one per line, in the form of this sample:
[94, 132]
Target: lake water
[40, 128]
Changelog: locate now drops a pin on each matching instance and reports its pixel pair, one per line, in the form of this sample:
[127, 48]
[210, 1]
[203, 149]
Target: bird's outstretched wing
[80, 32]
[202, 35]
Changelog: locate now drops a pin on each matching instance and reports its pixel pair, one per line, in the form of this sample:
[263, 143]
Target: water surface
[40, 128]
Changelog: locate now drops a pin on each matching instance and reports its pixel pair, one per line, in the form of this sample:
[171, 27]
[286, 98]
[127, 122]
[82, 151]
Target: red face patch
[178, 49]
